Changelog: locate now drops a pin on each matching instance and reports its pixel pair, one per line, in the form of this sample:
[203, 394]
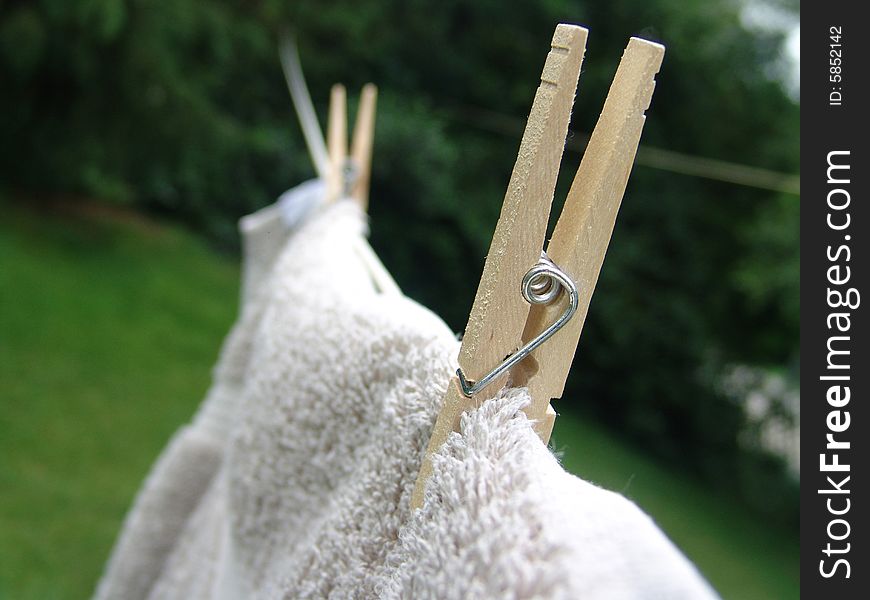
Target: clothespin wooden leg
[336, 141]
[578, 246]
[499, 313]
[363, 141]
[583, 231]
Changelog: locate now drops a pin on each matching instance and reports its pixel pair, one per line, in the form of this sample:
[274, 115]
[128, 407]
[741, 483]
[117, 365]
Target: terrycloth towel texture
[312, 501]
[185, 468]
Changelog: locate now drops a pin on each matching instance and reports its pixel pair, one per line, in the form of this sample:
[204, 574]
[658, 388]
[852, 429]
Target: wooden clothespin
[343, 177]
[523, 296]
[350, 176]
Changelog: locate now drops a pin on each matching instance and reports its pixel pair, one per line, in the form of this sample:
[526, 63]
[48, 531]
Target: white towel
[502, 519]
[185, 468]
[340, 395]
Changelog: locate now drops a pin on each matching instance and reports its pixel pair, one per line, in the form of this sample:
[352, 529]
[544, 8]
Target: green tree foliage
[180, 107]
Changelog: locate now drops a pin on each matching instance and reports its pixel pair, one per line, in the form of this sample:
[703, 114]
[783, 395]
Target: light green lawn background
[109, 326]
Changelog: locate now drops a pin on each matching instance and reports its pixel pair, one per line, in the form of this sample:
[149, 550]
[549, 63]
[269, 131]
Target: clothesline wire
[647, 156]
[303, 106]
[493, 122]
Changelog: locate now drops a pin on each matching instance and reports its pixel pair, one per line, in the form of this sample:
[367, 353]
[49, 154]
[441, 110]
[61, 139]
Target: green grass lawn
[109, 326]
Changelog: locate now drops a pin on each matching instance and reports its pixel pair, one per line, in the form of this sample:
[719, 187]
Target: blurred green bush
[180, 108]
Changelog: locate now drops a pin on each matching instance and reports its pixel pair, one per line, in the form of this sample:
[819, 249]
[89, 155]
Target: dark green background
[179, 109]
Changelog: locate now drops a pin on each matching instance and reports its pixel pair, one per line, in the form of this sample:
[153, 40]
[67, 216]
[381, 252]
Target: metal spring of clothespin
[541, 285]
[349, 176]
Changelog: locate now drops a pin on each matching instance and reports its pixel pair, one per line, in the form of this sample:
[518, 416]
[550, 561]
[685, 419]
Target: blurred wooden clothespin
[344, 176]
[349, 176]
[530, 306]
